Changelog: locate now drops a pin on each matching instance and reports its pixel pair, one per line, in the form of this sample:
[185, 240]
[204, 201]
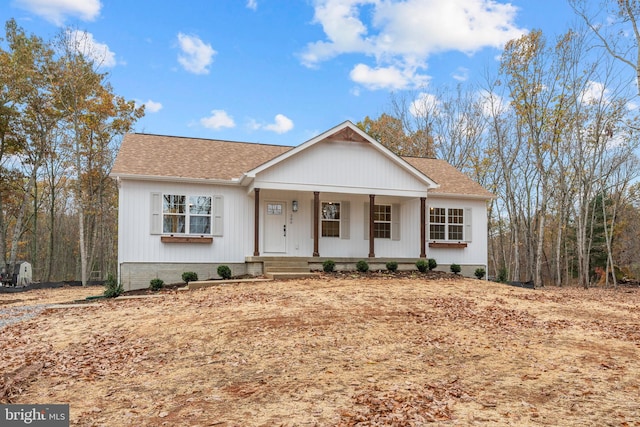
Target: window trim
[465, 227]
[396, 225]
[187, 216]
[333, 220]
[388, 207]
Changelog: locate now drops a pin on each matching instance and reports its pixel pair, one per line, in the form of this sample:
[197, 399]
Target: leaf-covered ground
[348, 351]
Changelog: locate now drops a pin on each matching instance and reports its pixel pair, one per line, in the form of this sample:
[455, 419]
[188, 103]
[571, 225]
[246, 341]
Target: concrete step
[290, 275]
[287, 269]
[286, 266]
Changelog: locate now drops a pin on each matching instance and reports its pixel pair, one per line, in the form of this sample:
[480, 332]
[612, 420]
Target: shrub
[455, 268]
[392, 266]
[328, 266]
[479, 273]
[156, 284]
[432, 264]
[112, 288]
[503, 274]
[224, 271]
[422, 265]
[362, 266]
[189, 276]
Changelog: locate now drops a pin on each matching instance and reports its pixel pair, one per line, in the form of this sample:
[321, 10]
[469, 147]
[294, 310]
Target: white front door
[275, 227]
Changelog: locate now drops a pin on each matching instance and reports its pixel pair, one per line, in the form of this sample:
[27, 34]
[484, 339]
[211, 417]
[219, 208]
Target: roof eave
[160, 178]
[462, 196]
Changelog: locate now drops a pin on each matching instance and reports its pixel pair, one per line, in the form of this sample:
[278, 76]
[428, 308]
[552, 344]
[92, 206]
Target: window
[386, 221]
[199, 215]
[382, 221]
[330, 218]
[274, 208]
[177, 217]
[446, 224]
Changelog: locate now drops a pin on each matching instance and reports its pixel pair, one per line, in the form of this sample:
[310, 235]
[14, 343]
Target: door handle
[284, 229]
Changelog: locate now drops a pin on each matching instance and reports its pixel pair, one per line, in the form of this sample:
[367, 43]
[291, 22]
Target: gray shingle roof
[171, 156]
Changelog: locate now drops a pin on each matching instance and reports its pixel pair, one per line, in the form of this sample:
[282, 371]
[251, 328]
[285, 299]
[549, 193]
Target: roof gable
[345, 131]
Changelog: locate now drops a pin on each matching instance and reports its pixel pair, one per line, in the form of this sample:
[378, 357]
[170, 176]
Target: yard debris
[332, 351]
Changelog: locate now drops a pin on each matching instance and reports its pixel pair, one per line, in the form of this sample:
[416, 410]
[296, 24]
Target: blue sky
[281, 71]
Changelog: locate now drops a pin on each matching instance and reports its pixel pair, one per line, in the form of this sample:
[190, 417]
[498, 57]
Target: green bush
[392, 266]
[422, 265]
[503, 275]
[432, 264]
[455, 268]
[189, 276]
[328, 266]
[224, 271]
[156, 284]
[112, 288]
[479, 273]
[362, 266]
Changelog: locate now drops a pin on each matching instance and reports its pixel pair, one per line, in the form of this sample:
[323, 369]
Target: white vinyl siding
[358, 169]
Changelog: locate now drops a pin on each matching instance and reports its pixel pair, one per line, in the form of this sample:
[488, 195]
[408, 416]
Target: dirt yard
[347, 351]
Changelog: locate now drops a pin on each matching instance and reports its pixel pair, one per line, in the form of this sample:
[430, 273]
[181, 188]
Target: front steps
[287, 268]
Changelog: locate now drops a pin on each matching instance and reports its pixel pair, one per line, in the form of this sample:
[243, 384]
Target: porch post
[256, 223]
[316, 219]
[423, 229]
[372, 201]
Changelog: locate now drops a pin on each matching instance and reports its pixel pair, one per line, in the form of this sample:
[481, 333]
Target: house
[189, 204]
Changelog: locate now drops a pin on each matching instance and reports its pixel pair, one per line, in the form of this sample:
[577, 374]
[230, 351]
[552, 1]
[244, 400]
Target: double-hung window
[330, 218]
[183, 214]
[446, 224]
[382, 221]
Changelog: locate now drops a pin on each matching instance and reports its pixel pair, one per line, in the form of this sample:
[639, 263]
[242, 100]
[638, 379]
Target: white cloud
[425, 104]
[219, 119]
[56, 11]
[152, 106]
[252, 4]
[461, 74]
[492, 103]
[595, 93]
[196, 55]
[84, 43]
[281, 124]
[402, 35]
[386, 77]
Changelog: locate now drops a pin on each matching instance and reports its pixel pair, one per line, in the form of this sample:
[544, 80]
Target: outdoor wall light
[294, 206]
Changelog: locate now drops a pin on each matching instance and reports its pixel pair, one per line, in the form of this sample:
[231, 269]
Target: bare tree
[610, 21]
[95, 117]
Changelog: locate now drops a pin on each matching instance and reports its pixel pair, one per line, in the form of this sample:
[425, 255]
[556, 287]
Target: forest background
[552, 133]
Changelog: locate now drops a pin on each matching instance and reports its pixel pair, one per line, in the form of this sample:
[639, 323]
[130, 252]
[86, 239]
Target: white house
[190, 204]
